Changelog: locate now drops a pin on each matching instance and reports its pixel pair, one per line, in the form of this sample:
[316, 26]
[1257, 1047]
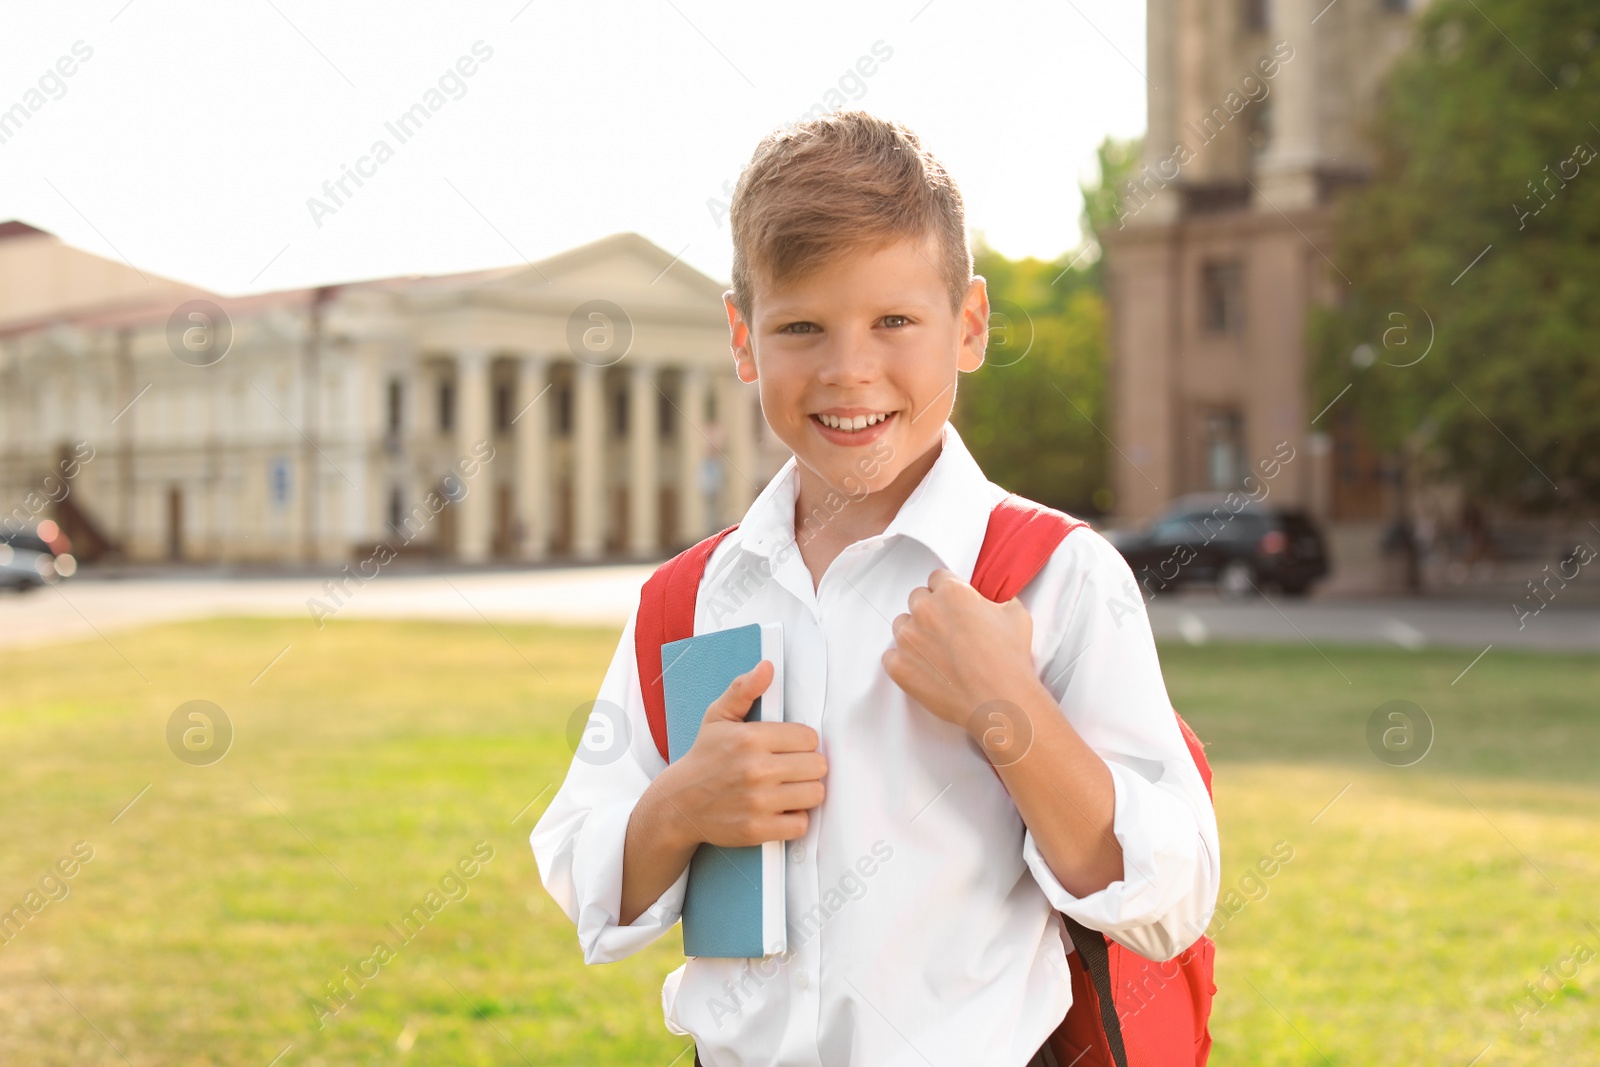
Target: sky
[194, 140]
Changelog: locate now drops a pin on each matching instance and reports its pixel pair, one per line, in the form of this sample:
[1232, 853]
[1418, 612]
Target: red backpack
[1127, 1011]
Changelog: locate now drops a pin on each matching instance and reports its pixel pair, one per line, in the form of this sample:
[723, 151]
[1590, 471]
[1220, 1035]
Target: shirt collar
[948, 511]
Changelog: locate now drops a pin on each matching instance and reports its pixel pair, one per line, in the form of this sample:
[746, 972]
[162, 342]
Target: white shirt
[922, 917]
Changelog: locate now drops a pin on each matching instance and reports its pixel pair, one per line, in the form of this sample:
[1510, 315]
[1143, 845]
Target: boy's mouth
[854, 429]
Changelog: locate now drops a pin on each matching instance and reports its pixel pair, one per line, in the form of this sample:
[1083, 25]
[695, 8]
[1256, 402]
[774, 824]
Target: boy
[951, 771]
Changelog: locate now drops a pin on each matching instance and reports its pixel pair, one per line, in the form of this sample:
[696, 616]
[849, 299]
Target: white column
[1288, 168]
[588, 452]
[643, 483]
[346, 431]
[532, 428]
[1161, 33]
[472, 427]
[369, 392]
[691, 413]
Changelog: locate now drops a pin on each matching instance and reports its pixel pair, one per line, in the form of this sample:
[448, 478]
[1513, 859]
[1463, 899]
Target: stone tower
[1257, 114]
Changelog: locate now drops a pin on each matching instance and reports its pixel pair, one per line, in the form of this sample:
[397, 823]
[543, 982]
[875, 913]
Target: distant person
[936, 842]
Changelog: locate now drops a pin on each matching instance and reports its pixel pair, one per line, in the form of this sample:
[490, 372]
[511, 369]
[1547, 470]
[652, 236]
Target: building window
[619, 414]
[1222, 297]
[278, 481]
[1254, 15]
[666, 417]
[396, 506]
[447, 406]
[564, 409]
[1258, 127]
[1224, 450]
[396, 400]
[502, 407]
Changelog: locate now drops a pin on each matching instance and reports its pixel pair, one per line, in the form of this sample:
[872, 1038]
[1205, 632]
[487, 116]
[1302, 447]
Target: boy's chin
[852, 476]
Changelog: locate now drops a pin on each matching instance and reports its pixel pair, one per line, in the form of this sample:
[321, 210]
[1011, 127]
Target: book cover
[734, 902]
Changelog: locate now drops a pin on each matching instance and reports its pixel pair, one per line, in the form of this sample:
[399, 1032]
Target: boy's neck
[861, 516]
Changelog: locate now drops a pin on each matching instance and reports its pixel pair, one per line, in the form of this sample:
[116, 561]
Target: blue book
[733, 905]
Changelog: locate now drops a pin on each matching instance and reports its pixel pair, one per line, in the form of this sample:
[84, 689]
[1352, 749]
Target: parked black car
[1213, 540]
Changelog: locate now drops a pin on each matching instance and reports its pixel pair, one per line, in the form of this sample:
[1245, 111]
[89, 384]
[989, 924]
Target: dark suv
[1214, 540]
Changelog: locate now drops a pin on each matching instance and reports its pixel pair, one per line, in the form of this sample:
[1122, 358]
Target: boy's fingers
[734, 703]
[801, 766]
[791, 825]
[798, 796]
[787, 736]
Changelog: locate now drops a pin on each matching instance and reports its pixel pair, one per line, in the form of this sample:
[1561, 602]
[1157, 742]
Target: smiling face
[857, 367]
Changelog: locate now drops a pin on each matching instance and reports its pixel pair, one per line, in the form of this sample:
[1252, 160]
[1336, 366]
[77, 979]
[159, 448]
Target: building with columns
[1256, 110]
[583, 407]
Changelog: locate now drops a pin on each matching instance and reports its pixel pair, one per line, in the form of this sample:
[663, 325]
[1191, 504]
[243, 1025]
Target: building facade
[1256, 112]
[581, 408]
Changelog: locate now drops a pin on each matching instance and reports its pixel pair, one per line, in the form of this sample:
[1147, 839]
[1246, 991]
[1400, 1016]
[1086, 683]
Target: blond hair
[844, 182]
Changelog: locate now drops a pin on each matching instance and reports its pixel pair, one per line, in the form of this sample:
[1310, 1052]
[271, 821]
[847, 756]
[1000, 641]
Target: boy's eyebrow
[797, 311]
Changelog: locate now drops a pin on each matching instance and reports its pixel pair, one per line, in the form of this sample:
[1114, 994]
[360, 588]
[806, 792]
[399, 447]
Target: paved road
[85, 608]
[1403, 623]
[89, 607]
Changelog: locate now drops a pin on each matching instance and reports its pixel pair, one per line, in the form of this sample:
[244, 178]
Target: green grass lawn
[373, 756]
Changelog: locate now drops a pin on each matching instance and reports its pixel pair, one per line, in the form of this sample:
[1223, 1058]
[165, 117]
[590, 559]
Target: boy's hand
[957, 651]
[744, 783]
[970, 662]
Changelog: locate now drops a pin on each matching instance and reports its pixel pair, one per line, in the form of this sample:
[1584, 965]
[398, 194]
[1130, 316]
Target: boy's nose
[848, 360]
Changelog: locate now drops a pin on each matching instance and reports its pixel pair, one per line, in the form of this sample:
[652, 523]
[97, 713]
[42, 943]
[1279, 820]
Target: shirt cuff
[597, 866]
[1165, 898]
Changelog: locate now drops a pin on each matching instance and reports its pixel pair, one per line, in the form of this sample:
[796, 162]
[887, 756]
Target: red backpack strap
[1099, 1031]
[1021, 538]
[666, 613]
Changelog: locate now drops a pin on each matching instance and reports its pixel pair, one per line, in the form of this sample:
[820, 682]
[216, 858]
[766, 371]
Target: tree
[1102, 201]
[1033, 414]
[1029, 413]
[1472, 324]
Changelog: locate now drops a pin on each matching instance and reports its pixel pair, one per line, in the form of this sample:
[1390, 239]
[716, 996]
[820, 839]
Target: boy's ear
[744, 357]
[974, 325]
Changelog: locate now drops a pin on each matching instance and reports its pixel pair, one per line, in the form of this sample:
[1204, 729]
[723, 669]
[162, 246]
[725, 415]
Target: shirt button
[803, 980]
[798, 853]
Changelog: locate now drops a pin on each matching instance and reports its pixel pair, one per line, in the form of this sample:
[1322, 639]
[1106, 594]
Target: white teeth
[858, 422]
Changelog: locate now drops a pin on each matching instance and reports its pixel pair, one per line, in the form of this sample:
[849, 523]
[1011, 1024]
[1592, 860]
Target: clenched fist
[957, 651]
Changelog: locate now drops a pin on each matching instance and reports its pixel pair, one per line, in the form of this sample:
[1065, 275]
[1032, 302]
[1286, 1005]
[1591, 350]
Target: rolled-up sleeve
[1102, 669]
[578, 841]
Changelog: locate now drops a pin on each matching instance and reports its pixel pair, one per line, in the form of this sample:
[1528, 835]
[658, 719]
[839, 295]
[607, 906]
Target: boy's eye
[896, 320]
[798, 327]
